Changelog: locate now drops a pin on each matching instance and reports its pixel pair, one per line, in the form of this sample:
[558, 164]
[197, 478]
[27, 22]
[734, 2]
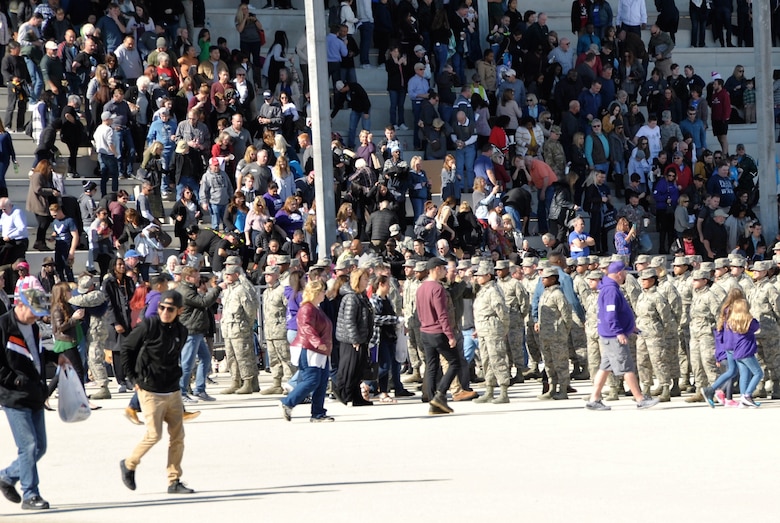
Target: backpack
[334, 13]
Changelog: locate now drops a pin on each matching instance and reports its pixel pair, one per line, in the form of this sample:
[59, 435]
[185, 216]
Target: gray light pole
[320, 126]
[765, 119]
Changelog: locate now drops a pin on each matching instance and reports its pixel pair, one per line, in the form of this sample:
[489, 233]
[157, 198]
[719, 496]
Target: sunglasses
[166, 308]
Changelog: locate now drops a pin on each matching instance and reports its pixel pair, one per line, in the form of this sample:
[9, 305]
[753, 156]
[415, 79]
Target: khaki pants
[156, 409]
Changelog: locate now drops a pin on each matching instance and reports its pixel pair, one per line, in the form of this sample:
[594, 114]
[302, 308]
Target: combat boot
[656, 391]
[414, 378]
[548, 394]
[255, 384]
[646, 389]
[775, 389]
[665, 394]
[439, 401]
[487, 397]
[518, 378]
[760, 391]
[696, 398]
[276, 388]
[246, 388]
[675, 390]
[532, 373]
[562, 394]
[102, 394]
[503, 396]
[234, 385]
[613, 394]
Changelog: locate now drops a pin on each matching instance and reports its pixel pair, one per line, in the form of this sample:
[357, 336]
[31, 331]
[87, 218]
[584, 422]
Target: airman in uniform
[492, 325]
[519, 305]
[724, 281]
[738, 265]
[415, 272]
[668, 291]
[652, 315]
[275, 328]
[681, 280]
[530, 278]
[764, 300]
[590, 303]
[554, 327]
[704, 312]
[239, 310]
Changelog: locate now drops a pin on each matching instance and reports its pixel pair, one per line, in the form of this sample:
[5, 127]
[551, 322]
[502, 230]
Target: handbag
[608, 217]
[371, 369]
[261, 34]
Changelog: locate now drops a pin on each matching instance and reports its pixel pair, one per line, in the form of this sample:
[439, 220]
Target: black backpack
[334, 13]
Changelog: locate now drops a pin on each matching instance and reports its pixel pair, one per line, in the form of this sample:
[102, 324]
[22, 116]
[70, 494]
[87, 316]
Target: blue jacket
[698, 132]
[665, 191]
[567, 286]
[615, 314]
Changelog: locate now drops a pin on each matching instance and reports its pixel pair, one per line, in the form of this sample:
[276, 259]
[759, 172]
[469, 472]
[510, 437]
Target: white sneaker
[367, 66]
[403, 127]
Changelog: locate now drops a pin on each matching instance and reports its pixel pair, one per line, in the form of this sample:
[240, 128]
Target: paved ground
[523, 461]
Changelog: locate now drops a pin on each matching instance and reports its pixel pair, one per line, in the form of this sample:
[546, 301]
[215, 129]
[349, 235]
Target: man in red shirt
[721, 112]
[437, 336]
[542, 177]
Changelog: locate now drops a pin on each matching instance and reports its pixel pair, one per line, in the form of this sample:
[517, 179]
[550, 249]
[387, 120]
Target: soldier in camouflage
[652, 315]
[519, 305]
[532, 337]
[554, 328]
[275, 328]
[491, 326]
[704, 311]
[415, 272]
[667, 290]
[724, 281]
[738, 264]
[239, 310]
[681, 280]
[95, 302]
[764, 300]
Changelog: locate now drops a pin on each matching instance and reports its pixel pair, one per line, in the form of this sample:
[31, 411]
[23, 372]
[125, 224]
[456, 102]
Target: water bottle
[16, 168]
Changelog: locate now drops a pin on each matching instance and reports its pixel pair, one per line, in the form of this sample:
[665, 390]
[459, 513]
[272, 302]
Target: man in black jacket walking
[22, 395]
[358, 102]
[150, 357]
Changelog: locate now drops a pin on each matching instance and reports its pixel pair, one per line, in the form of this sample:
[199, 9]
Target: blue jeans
[470, 345]
[440, 50]
[186, 181]
[749, 368]
[194, 346]
[464, 165]
[397, 99]
[312, 381]
[727, 376]
[109, 167]
[216, 212]
[366, 39]
[416, 109]
[445, 111]
[387, 364]
[645, 243]
[356, 117]
[37, 80]
[29, 430]
[459, 66]
[511, 211]
[541, 210]
[418, 207]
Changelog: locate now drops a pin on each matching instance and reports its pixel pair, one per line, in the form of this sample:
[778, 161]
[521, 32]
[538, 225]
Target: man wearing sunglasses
[151, 356]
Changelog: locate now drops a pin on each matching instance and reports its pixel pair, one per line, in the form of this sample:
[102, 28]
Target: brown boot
[234, 385]
[665, 397]
[276, 388]
[246, 388]
[696, 398]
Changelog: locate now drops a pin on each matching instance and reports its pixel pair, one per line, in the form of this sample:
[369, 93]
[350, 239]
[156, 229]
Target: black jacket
[355, 323]
[21, 385]
[196, 307]
[378, 225]
[562, 206]
[118, 301]
[151, 354]
[14, 66]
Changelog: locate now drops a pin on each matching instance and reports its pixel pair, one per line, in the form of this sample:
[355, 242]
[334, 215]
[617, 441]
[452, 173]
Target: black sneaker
[322, 419]
[9, 491]
[35, 503]
[128, 476]
[177, 487]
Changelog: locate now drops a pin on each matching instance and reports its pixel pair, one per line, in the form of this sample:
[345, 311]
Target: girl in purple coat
[740, 333]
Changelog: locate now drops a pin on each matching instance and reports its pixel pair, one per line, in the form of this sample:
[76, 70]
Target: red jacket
[721, 106]
[314, 329]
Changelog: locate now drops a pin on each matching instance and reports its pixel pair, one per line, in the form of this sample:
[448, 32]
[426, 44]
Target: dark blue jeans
[109, 167]
[29, 430]
[387, 364]
[311, 381]
[397, 99]
[366, 41]
[727, 376]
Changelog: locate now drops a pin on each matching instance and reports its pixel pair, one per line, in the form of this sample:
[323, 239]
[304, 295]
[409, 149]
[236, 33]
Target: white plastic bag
[401, 348]
[73, 404]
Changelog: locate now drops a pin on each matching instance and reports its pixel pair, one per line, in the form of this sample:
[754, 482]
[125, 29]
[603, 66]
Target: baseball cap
[51, 45]
[233, 260]
[395, 229]
[529, 262]
[271, 269]
[594, 275]
[419, 67]
[720, 213]
[266, 94]
[233, 269]
[162, 42]
[36, 301]
[549, 272]
[105, 115]
[214, 161]
[48, 261]
[483, 269]
[616, 267]
[421, 266]
[132, 253]
[647, 274]
[435, 262]
[22, 265]
[418, 48]
[700, 275]
[339, 85]
[502, 264]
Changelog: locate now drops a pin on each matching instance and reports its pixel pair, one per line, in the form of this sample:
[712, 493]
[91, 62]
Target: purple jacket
[615, 314]
[743, 345]
[152, 301]
[293, 304]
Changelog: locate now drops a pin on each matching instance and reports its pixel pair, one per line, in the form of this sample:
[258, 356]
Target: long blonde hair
[312, 289]
[734, 295]
[739, 316]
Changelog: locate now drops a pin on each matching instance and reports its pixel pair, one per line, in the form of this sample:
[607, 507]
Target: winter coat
[196, 307]
[355, 323]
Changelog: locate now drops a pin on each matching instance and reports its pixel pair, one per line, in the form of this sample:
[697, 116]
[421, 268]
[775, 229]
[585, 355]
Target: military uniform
[683, 285]
[492, 324]
[703, 317]
[723, 284]
[555, 321]
[532, 337]
[275, 327]
[652, 315]
[239, 310]
[97, 339]
[672, 336]
[764, 301]
[590, 303]
[412, 324]
[518, 305]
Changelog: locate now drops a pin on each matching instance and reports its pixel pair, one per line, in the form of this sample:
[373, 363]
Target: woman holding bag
[314, 344]
[597, 203]
[354, 327]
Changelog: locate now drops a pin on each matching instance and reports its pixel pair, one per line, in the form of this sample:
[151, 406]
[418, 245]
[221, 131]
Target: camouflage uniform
[275, 327]
[239, 310]
[492, 324]
[532, 337]
[683, 285]
[590, 302]
[412, 323]
[764, 302]
[745, 282]
[668, 291]
[652, 315]
[555, 321]
[703, 317]
[518, 305]
[722, 285]
[97, 335]
[578, 341]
